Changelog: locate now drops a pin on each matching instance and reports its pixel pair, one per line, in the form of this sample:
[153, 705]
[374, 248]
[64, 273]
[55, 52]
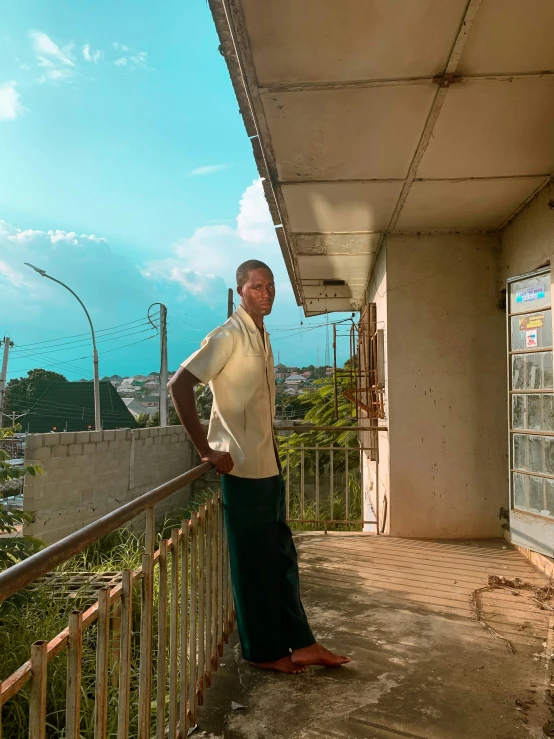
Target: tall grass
[36, 614]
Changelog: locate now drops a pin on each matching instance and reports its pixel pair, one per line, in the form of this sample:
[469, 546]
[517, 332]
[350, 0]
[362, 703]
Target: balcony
[449, 640]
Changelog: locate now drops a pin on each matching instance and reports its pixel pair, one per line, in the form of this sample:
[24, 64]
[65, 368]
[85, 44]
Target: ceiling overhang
[389, 116]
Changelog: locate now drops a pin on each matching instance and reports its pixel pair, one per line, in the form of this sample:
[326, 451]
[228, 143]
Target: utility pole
[163, 366]
[7, 344]
[230, 307]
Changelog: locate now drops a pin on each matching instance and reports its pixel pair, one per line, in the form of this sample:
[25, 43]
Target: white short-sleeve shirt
[237, 365]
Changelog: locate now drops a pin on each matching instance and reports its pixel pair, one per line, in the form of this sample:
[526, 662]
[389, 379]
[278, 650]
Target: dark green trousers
[264, 569]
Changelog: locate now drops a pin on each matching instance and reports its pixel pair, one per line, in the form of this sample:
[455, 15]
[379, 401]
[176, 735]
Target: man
[237, 361]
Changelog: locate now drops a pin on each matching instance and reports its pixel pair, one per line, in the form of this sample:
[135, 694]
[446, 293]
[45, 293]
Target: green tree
[14, 548]
[22, 392]
[142, 420]
[320, 404]
[204, 401]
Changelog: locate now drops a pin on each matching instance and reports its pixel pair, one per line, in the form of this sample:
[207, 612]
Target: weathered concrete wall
[528, 244]
[447, 394]
[88, 474]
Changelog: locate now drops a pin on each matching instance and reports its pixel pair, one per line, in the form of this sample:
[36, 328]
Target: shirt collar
[247, 320]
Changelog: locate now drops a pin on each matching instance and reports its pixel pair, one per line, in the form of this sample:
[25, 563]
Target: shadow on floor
[423, 667]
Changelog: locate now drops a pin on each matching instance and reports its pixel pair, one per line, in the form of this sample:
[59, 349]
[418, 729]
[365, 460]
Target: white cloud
[214, 252]
[57, 61]
[8, 273]
[17, 235]
[48, 51]
[209, 169]
[254, 222]
[139, 59]
[132, 60]
[10, 102]
[92, 56]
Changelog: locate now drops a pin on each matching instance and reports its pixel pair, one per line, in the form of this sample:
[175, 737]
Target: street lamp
[97, 421]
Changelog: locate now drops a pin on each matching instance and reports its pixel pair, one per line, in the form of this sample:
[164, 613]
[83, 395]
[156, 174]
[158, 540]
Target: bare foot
[285, 664]
[317, 655]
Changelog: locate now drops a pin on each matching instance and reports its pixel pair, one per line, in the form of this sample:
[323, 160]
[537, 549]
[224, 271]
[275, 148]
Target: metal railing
[166, 649]
[325, 484]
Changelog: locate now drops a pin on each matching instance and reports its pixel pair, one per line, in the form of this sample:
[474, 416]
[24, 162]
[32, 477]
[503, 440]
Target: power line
[101, 331]
[77, 344]
[77, 371]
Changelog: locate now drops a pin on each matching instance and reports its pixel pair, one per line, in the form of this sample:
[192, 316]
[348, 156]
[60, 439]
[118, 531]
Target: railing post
[102, 662]
[183, 702]
[302, 506]
[193, 615]
[162, 641]
[201, 603]
[347, 484]
[125, 655]
[173, 632]
[145, 668]
[74, 667]
[220, 579]
[37, 700]
[208, 596]
[317, 483]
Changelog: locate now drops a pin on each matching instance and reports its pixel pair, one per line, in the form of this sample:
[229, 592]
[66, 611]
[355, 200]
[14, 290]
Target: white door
[531, 409]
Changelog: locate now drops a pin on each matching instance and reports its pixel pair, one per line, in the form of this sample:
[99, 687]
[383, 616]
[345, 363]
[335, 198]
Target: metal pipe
[24, 573]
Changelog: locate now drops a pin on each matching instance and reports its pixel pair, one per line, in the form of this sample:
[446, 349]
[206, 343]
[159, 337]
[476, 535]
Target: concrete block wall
[90, 473]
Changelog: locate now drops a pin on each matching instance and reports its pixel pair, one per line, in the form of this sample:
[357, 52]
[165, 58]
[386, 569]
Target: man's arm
[181, 388]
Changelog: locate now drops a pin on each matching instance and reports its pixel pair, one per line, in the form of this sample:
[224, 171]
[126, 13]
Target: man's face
[258, 292]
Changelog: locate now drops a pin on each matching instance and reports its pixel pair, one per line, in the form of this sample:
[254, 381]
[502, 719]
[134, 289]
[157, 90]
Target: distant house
[296, 380]
[152, 385]
[69, 406]
[149, 401]
[137, 408]
[307, 375]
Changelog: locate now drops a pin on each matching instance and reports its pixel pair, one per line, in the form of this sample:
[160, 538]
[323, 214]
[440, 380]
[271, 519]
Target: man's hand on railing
[222, 461]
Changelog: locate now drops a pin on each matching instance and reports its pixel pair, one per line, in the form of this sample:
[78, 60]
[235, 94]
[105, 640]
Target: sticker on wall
[529, 294]
[529, 322]
[531, 339]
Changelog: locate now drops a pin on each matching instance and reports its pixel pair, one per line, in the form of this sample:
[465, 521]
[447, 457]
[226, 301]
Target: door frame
[529, 520]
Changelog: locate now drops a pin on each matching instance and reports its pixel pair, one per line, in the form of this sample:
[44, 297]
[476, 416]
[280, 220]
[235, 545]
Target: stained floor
[423, 666]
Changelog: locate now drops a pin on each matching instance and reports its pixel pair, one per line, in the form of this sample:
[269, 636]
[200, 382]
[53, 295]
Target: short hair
[243, 272]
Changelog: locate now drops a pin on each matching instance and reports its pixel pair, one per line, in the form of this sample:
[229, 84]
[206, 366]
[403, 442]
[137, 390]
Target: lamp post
[97, 421]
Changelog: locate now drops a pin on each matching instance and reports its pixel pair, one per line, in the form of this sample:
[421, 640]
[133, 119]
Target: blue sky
[127, 173]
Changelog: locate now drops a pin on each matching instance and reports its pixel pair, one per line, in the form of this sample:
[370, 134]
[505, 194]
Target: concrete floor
[423, 667]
